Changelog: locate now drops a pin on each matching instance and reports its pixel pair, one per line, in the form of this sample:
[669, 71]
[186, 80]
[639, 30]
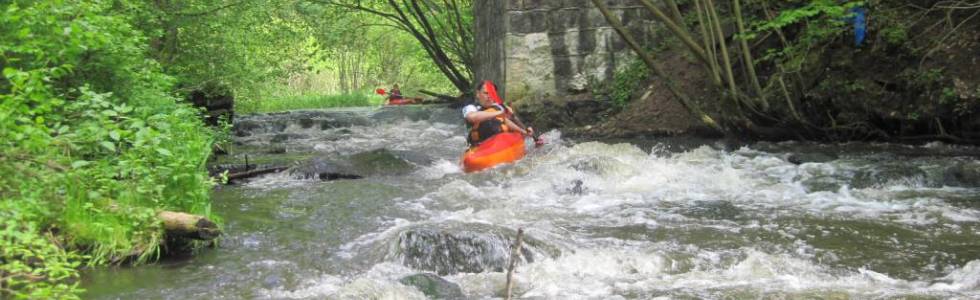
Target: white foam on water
[965, 279]
[587, 273]
[603, 273]
[391, 228]
[596, 185]
[320, 287]
[440, 169]
[279, 180]
[380, 282]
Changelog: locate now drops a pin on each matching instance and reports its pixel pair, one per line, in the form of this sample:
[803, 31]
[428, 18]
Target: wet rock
[248, 127]
[364, 164]
[282, 137]
[216, 100]
[277, 150]
[414, 157]
[466, 250]
[378, 162]
[272, 281]
[324, 169]
[344, 131]
[591, 165]
[576, 187]
[307, 122]
[718, 210]
[963, 175]
[821, 184]
[802, 158]
[433, 286]
[245, 128]
[888, 174]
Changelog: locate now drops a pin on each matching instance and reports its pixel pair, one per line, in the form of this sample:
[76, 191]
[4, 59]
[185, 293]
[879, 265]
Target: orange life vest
[485, 129]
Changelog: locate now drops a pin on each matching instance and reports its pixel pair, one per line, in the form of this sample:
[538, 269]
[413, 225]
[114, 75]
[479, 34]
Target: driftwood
[186, 225]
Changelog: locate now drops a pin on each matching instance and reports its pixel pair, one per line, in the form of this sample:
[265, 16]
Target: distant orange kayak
[502, 148]
[401, 101]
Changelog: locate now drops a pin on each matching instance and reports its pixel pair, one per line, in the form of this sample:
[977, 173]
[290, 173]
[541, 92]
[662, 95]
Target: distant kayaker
[488, 116]
[395, 93]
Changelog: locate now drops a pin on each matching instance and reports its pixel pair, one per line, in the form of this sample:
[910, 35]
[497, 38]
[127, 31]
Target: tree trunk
[186, 225]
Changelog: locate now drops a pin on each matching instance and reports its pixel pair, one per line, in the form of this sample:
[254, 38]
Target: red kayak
[502, 148]
[401, 101]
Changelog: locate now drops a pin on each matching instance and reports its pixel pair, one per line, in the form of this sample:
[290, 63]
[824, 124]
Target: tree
[443, 29]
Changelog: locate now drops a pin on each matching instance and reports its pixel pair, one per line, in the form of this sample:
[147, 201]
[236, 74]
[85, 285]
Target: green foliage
[95, 140]
[830, 11]
[236, 43]
[895, 35]
[624, 82]
[818, 22]
[395, 42]
[32, 267]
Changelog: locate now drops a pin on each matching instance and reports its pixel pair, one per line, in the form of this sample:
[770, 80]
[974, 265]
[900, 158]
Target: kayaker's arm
[480, 116]
[514, 127]
[528, 131]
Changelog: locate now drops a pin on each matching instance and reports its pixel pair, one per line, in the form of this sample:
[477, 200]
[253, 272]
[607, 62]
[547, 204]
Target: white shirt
[475, 108]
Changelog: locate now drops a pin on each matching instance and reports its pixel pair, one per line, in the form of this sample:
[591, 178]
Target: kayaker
[488, 116]
[395, 93]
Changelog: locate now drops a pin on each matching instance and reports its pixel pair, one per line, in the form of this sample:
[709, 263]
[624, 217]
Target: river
[643, 218]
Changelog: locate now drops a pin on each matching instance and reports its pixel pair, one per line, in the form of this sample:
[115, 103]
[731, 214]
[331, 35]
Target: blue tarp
[859, 20]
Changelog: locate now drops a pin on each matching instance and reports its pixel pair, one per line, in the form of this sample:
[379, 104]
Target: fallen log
[253, 173]
[178, 224]
[443, 97]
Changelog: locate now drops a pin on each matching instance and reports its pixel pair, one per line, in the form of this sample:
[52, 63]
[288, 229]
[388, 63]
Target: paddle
[382, 92]
[492, 93]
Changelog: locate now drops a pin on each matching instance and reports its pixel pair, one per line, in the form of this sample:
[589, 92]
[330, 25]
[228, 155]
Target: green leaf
[80, 163]
[9, 72]
[108, 145]
[114, 135]
[164, 152]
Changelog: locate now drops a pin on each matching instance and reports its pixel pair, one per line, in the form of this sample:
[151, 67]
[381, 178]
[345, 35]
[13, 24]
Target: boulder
[816, 157]
[433, 286]
[963, 175]
[471, 248]
[363, 164]
[378, 162]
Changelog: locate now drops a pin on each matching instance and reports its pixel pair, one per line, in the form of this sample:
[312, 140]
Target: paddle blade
[380, 92]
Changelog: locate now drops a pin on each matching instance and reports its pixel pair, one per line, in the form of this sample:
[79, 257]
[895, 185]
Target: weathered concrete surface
[547, 56]
[541, 49]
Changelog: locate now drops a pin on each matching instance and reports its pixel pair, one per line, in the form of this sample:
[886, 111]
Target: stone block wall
[551, 48]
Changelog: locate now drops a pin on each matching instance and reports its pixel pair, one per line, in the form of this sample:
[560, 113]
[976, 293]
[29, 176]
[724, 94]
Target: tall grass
[294, 102]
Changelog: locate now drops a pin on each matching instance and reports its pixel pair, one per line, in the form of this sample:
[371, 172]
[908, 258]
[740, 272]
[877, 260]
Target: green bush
[96, 142]
[624, 82]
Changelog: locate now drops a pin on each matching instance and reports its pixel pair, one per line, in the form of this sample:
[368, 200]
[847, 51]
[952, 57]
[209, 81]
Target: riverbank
[912, 79]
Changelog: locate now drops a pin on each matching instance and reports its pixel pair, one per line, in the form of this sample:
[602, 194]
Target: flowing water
[636, 219]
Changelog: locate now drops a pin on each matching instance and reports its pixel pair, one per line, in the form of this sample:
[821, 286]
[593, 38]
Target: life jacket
[395, 94]
[485, 129]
